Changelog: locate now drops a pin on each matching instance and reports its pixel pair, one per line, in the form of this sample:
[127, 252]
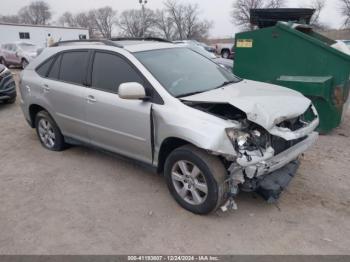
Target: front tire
[48, 132]
[196, 179]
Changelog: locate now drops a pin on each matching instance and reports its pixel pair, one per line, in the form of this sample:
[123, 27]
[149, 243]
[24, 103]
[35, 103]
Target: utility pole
[143, 3]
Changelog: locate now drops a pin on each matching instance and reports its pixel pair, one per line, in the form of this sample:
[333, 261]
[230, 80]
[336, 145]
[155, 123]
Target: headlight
[239, 137]
[254, 140]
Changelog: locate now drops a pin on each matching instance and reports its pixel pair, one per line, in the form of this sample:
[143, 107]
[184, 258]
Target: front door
[118, 125]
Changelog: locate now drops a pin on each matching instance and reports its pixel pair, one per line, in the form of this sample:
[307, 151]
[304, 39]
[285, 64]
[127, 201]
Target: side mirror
[132, 91]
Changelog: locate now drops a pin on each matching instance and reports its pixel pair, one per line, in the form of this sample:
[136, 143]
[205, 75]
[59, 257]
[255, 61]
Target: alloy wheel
[225, 55]
[189, 182]
[46, 133]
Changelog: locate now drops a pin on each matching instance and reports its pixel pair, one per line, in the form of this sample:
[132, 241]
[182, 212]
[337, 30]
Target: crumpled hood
[265, 104]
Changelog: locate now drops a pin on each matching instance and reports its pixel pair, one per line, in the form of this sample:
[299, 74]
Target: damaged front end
[265, 160]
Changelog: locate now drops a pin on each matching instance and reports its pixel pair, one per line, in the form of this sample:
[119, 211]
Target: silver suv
[210, 133]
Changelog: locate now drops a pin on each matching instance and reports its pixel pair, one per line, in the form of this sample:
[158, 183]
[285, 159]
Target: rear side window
[55, 69]
[43, 69]
[73, 67]
[109, 71]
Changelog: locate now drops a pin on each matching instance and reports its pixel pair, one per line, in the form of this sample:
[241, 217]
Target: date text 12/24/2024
[173, 258]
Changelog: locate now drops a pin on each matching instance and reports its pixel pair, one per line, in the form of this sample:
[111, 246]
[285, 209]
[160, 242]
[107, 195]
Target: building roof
[45, 26]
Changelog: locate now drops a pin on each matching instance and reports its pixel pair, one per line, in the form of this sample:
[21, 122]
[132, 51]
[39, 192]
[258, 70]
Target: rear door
[118, 125]
[65, 92]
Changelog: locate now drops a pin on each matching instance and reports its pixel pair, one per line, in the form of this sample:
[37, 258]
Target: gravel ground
[81, 201]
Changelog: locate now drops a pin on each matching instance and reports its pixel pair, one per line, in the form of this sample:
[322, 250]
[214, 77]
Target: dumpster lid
[266, 17]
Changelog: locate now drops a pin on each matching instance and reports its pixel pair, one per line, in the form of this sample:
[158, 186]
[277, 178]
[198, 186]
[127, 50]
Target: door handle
[46, 88]
[91, 99]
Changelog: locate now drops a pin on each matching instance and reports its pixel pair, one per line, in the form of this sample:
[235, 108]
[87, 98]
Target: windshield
[183, 72]
[197, 48]
[202, 51]
[28, 47]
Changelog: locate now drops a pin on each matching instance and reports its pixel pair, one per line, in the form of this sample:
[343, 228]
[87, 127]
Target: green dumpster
[294, 56]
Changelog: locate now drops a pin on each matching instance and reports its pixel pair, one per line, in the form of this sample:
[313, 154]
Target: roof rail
[157, 39]
[102, 41]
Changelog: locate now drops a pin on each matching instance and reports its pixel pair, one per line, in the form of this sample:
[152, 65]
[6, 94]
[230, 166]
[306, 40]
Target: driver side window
[109, 71]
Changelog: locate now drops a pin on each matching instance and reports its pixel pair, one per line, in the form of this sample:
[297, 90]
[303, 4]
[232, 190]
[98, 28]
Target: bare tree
[345, 11]
[86, 20]
[67, 19]
[186, 20]
[318, 5]
[177, 15]
[104, 19]
[275, 3]
[241, 10]
[164, 24]
[36, 13]
[134, 23]
[191, 22]
[10, 19]
[83, 20]
[200, 31]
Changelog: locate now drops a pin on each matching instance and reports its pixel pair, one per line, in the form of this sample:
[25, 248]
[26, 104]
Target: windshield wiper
[226, 83]
[190, 94]
[198, 92]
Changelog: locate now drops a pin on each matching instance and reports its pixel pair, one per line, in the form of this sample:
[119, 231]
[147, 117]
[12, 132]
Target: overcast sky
[216, 11]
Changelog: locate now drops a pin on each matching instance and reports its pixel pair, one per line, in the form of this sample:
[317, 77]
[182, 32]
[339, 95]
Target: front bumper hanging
[271, 186]
[268, 175]
[269, 163]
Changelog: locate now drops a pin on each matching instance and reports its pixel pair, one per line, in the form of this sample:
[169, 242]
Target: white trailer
[38, 34]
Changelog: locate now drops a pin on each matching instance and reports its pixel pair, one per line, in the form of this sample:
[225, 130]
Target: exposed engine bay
[224, 110]
[265, 163]
[252, 136]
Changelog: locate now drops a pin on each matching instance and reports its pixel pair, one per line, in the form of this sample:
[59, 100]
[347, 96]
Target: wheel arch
[169, 145]
[34, 109]
[225, 50]
[3, 58]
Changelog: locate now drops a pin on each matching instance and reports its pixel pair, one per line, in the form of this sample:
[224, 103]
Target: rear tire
[48, 132]
[225, 54]
[2, 61]
[196, 179]
[10, 101]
